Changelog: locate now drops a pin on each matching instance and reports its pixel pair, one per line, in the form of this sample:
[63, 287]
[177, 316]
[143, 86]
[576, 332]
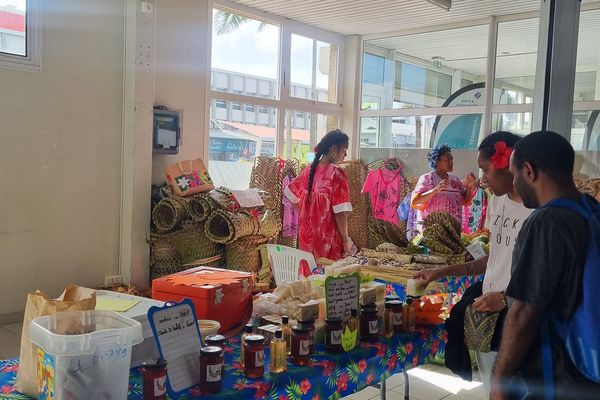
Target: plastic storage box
[146, 350]
[84, 354]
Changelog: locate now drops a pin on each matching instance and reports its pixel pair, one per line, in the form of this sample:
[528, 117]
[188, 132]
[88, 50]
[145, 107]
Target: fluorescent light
[445, 4]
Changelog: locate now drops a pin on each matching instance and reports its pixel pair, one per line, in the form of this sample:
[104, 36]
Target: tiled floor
[430, 382]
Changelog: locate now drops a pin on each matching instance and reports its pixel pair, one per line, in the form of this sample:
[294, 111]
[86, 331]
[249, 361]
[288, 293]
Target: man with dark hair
[547, 270]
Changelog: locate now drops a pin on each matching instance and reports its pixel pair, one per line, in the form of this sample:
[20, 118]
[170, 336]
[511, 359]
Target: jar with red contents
[310, 325]
[155, 380]
[301, 344]
[333, 335]
[211, 369]
[215, 340]
[369, 331]
[396, 308]
[254, 356]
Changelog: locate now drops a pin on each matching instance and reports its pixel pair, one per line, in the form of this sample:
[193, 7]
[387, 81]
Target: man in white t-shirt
[504, 219]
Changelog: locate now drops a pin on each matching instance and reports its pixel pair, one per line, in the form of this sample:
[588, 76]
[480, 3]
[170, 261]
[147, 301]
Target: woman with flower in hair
[322, 197]
[440, 191]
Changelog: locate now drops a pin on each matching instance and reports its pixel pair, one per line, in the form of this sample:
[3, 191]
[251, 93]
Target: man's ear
[529, 172]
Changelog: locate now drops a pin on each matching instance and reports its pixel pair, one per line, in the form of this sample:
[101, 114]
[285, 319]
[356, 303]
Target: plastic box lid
[59, 333]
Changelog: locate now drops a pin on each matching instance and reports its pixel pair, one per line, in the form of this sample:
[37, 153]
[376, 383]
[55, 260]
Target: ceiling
[360, 17]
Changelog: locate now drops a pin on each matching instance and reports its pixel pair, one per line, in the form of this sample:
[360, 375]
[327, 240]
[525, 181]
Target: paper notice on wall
[248, 198]
[167, 138]
[341, 295]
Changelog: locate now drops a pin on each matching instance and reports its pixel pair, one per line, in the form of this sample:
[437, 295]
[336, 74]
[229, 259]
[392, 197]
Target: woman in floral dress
[440, 191]
[321, 195]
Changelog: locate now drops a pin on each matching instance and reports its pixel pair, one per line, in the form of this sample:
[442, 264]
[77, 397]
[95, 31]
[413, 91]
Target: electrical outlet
[147, 7]
[111, 280]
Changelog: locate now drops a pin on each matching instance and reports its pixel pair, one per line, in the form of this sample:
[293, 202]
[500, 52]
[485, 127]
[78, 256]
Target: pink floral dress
[330, 194]
[384, 187]
[450, 200]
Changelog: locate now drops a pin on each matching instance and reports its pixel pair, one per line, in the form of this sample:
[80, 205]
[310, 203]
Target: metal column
[555, 72]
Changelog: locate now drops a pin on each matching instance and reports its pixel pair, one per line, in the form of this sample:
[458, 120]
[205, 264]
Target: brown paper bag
[74, 298]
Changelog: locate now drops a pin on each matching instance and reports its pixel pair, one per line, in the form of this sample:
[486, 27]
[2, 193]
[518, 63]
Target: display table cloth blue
[327, 377]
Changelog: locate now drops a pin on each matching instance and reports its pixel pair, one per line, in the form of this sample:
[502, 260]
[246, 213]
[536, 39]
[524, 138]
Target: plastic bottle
[248, 330]
[278, 353]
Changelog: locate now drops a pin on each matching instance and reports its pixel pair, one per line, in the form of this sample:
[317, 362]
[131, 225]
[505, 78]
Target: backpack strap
[547, 359]
[583, 210]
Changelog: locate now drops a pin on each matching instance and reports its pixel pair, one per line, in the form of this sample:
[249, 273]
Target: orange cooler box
[218, 294]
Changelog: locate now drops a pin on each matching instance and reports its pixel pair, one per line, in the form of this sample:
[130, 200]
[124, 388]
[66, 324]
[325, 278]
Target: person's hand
[491, 301]
[471, 181]
[349, 247]
[426, 276]
[443, 185]
[496, 392]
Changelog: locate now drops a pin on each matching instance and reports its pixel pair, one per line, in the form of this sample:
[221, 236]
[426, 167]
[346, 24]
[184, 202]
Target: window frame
[32, 60]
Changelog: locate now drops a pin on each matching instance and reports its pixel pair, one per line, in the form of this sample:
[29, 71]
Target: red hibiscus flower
[501, 157]
[381, 349]
[227, 349]
[329, 366]
[6, 389]
[392, 363]
[10, 368]
[305, 386]
[445, 336]
[370, 378]
[342, 384]
[434, 348]
[283, 397]
[238, 366]
[239, 386]
[362, 365]
[316, 397]
[409, 347]
[261, 391]
[415, 361]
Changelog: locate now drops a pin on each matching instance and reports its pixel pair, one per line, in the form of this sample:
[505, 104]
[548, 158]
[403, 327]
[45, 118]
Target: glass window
[300, 140]
[250, 108]
[220, 104]
[314, 66]
[516, 60]
[244, 48]
[13, 27]
[585, 130]
[587, 81]
[236, 106]
[425, 69]
[518, 123]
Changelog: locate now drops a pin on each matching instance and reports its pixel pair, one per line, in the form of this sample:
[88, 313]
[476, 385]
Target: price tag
[349, 339]
[476, 250]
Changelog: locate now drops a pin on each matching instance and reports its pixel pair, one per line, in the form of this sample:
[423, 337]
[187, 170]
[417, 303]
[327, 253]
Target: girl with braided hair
[322, 197]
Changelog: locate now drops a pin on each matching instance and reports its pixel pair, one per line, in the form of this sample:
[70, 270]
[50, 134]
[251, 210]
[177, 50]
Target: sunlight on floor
[450, 383]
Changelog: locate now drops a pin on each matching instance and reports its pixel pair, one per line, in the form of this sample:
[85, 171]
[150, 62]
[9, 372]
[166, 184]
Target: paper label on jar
[160, 386]
[213, 372]
[304, 347]
[336, 337]
[373, 327]
[259, 359]
[397, 318]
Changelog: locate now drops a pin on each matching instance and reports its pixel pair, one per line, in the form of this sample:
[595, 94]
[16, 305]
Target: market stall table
[328, 375]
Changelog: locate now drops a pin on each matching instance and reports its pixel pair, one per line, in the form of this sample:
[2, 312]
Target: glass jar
[301, 344]
[388, 328]
[254, 356]
[155, 380]
[211, 369]
[333, 335]
[310, 325]
[369, 331]
[408, 315]
[396, 309]
[215, 340]
[353, 324]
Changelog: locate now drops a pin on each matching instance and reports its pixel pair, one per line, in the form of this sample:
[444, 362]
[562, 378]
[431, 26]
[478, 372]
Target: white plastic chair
[285, 262]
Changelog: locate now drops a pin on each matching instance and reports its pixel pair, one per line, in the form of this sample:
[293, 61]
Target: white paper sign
[167, 138]
[178, 339]
[341, 295]
[476, 250]
[248, 198]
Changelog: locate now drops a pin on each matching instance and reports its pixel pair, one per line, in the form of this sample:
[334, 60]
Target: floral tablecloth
[327, 377]
[451, 284]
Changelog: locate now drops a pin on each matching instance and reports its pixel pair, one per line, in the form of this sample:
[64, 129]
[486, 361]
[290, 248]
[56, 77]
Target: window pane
[585, 130]
[237, 135]
[12, 27]
[518, 123]
[313, 72]
[516, 59]
[425, 69]
[587, 82]
[303, 130]
[422, 132]
[245, 55]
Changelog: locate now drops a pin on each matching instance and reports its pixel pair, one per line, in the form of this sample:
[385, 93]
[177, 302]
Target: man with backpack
[556, 246]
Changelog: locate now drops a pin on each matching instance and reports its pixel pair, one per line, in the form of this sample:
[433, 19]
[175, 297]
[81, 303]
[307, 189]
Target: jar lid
[301, 328]
[211, 350]
[255, 339]
[285, 319]
[369, 308]
[215, 339]
[354, 313]
[391, 298]
[392, 303]
[249, 328]
[278, 333]
[159, 364]
[333, 320]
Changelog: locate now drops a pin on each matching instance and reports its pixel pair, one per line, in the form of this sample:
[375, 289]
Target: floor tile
[365, 394]
[10, 345]
[16, 328]
[395, 381]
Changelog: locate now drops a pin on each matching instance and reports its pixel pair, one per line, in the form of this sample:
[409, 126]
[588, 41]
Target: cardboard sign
[177, 337]
[248, 198]
[341, 295]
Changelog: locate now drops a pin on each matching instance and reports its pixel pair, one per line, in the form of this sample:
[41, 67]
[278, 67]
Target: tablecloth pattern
[328, 376]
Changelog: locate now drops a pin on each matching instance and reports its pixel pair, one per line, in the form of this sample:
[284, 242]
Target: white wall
[182, 71]
[60, 146]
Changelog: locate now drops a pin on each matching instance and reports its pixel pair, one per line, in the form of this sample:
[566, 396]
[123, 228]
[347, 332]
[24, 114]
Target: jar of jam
[396, 309]
[155, 380]
[310, 325]
[254, 356]
[211, 369]
[369, 331]
[215, 340]
[388, 328]
[301, 344]
[333, 335]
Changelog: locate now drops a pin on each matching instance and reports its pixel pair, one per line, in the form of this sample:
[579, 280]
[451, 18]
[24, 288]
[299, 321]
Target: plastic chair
[285, 262]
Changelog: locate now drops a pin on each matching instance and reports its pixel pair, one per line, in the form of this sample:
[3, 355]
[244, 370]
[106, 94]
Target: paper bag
[187, 178]
[74, 298]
